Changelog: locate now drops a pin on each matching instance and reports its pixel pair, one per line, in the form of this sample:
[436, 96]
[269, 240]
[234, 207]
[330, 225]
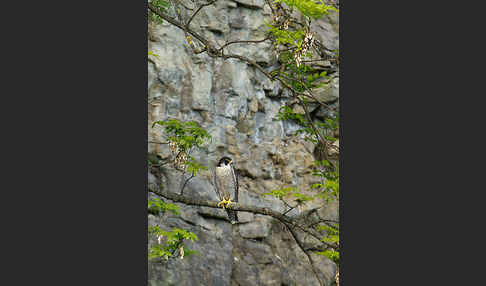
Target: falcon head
[225, 161]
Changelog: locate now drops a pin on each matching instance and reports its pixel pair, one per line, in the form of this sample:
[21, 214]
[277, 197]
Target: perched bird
[226, 183]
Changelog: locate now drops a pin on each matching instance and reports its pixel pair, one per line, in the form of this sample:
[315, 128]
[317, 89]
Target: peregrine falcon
[226, 183]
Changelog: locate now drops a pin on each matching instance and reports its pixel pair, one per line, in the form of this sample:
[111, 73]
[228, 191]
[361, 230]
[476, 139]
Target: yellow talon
[223, 202]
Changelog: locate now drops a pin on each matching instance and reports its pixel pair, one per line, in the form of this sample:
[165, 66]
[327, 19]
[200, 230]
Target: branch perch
[288, 221]
[214, 204]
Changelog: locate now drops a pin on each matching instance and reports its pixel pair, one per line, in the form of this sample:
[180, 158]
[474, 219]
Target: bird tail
[232, 216]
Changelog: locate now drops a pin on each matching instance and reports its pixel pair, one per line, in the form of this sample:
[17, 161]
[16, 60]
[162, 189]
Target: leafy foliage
[185, 134]
[309, 8]
[153, 54]
[279, 194]
[289, 192]
[159, 250]
[293, 38]
[332, 231]
[287, 113]
[170, 242]
[183, 138]
[162, 5]
[329, 190]
[158, 206]
[331, 238]
[331, 254]
[194, 167]
[303, 78]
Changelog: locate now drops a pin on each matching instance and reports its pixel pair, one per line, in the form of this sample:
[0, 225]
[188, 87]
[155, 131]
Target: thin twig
[184, 5]
[183, 186]
[199, 9]
[308, 89]
[249, 61]
[158, 142]
[289, 206]
[180, 26]
[300, 244]
[242, 42]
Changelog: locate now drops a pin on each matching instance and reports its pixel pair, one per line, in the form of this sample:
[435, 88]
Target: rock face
[237, 105]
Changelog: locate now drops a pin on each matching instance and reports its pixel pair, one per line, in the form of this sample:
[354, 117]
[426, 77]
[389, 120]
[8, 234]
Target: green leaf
[186, 135]
[161, 5]
[302, 197]
[280, 193]
[331, 254]
[157, 205]
[153, 54]
[309, 7]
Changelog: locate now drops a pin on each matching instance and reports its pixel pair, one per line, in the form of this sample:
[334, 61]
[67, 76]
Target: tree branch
[244, 42]
[301, 246]
[311, 94]
[182, 189]
[214, 204]
[290, 222]
[162, 143]
[199, 9]
[180, 26]
[213, 52]
[251, 62]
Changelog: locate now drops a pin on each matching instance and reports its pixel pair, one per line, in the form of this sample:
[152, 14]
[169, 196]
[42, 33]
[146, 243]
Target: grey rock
[201, 90]
[237, 23]
[271, 275]
[327, 32]
[252, 4]
[245, 274]
[256, 229]
[326, 94]
[151, 179]
[245, 217]
[231, 4]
